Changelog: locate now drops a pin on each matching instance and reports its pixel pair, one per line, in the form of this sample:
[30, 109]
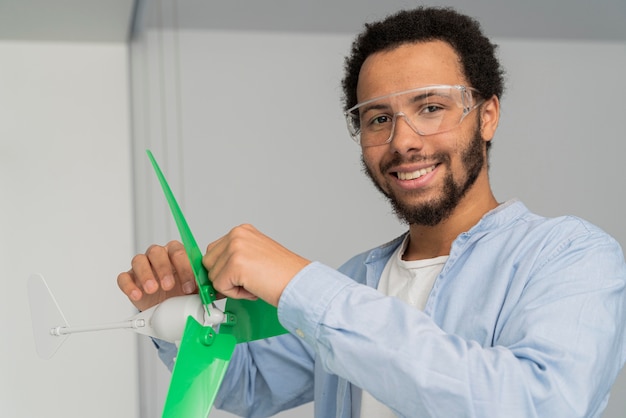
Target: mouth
[412, 175]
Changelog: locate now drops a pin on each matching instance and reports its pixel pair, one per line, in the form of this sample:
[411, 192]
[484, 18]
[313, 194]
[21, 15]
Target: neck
[433, 241]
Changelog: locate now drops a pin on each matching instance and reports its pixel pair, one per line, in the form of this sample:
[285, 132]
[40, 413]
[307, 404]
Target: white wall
[66, 212]
[561, 137]
[253, 132]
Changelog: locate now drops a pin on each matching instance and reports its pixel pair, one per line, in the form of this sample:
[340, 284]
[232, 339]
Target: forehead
[409, 66]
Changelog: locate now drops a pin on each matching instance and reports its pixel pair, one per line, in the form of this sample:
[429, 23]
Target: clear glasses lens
[427, 110]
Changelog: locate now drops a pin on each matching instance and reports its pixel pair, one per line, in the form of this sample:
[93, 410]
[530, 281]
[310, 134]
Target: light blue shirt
[526, 319]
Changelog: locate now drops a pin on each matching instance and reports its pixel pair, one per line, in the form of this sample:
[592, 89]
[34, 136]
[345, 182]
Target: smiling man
[482, 309]
[424, 133]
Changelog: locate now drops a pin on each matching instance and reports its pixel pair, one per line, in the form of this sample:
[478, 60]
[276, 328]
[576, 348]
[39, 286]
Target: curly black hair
[476, 52]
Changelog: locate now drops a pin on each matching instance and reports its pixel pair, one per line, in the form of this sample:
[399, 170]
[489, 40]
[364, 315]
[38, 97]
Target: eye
[430, 109]
[377, 121]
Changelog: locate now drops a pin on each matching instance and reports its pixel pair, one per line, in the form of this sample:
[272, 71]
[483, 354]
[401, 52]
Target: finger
[238, 292]
[126, 283]
[158, 257]
[213, 261]
[143, 275]
[182, 267]
[225, 281]
[213, 251]
[217, 261]
[218, 252]
[215, 258]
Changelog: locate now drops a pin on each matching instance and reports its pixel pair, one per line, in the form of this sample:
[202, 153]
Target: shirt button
[299, 333]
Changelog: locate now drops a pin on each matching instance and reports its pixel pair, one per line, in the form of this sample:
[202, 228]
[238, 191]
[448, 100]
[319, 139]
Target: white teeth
[415, 174]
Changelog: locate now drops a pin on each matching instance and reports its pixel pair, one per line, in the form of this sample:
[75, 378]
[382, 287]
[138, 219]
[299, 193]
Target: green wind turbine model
[203, 353]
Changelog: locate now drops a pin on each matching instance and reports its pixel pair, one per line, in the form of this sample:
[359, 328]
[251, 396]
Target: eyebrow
[381, 106]
[374, 106]
[429, 94]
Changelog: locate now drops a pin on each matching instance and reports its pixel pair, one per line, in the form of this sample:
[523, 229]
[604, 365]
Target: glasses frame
[469, 103]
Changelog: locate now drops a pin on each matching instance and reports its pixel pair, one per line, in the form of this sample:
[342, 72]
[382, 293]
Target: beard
[433, 212]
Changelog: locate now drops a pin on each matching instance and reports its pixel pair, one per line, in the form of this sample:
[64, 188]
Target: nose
[404, 135]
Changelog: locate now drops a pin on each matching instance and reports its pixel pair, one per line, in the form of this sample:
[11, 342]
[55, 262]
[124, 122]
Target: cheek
[371, 158]
[461, 144]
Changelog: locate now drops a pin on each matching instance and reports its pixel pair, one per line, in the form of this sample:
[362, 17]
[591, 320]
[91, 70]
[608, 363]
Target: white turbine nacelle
[166, 321]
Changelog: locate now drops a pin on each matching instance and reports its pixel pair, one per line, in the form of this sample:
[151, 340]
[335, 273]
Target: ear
[489, 117]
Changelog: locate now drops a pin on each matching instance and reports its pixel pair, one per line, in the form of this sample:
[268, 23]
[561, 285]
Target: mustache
[398, 159]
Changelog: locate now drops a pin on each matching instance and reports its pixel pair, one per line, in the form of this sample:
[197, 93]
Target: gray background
[239, 101]
[248, 123]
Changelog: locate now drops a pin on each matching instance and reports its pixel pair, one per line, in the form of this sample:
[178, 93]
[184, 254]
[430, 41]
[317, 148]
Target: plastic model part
[205, 335]
[165, 321]
[203, 357]
[45, 316]
[204, 354]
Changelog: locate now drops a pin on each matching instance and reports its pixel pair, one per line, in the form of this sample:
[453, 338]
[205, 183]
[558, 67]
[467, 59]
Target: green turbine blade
[249, 320]
[202, 360]
[204, 355]
[206, 290]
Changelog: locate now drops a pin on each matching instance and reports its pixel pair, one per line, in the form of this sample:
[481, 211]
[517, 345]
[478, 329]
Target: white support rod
[131, 323]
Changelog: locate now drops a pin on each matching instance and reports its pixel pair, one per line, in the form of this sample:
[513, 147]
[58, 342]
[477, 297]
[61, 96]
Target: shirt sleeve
[267, 376]
[166, 351]
[556, 354]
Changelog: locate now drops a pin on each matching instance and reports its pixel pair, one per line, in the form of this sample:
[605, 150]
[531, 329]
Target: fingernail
[151, 286]
[167, 282]
[189, 287]
[135, 295]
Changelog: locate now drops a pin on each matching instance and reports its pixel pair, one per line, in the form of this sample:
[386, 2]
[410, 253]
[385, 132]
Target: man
[481, 310]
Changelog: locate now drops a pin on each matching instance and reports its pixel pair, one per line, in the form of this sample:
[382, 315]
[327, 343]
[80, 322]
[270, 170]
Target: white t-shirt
[411, 282]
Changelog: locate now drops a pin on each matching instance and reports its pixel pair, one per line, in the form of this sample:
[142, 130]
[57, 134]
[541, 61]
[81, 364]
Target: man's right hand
[162, 272]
